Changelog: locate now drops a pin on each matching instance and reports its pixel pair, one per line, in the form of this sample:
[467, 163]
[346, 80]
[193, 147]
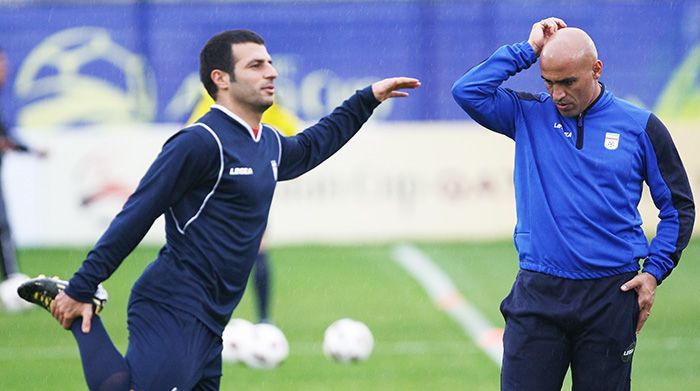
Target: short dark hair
[218, 54]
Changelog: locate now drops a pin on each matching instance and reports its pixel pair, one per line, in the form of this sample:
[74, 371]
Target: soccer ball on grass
[268, 347]
[236, 338]
[347, 340]
[260, 346]
[8, 294]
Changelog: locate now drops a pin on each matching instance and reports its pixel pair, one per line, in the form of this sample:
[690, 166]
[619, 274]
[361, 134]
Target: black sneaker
[43, 290]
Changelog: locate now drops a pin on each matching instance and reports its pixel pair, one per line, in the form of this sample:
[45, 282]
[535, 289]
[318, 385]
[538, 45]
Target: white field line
[445, 295]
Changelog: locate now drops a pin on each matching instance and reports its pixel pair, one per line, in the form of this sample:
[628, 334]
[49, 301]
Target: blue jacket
[214, 181]
[578, 181]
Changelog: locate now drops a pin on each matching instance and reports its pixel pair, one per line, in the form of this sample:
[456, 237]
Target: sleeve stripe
[674, 175]
[221, 172]
[279, 144]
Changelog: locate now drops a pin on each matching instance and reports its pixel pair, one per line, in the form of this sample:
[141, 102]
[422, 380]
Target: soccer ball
[267, 349]
[236, 338]
[347, 340]
[8, 294]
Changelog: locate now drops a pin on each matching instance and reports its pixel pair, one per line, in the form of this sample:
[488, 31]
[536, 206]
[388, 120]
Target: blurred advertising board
[83, 63]
[393, 181]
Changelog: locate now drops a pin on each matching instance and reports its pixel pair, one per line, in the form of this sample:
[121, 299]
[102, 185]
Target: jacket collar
[240, 121]
[603, 100]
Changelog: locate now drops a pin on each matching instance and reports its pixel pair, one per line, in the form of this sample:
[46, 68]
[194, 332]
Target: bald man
[587, 275]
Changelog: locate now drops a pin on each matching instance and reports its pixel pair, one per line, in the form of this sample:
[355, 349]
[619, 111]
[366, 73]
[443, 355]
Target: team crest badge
[273, 163]
[612, 140]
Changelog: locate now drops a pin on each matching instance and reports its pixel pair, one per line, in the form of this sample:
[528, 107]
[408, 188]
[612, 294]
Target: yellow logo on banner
[55, 90]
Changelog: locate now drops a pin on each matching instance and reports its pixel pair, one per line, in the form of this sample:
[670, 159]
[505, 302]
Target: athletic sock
[261, 276]
[104, 367]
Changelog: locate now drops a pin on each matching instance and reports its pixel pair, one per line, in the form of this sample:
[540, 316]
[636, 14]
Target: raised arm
[309, 148]
[479, 93]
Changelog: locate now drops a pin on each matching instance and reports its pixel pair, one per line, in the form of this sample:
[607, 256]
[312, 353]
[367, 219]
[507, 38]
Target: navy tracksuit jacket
[214, 181]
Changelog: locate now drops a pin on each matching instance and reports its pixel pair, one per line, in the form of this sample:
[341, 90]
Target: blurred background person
[9, 268]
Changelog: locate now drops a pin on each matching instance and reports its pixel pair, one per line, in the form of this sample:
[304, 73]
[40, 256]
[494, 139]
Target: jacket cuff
[368, 98]
[654, 271]
[74, 291]
[528, 50]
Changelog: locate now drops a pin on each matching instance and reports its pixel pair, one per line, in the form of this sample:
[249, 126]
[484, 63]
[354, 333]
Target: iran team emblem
[612, 140]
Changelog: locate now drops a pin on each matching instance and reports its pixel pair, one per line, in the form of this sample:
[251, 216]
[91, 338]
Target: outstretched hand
[389, 88]
[542, 31]
[66, 310]
[645, 285]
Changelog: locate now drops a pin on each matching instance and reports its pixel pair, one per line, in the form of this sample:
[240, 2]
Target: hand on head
[542, 31]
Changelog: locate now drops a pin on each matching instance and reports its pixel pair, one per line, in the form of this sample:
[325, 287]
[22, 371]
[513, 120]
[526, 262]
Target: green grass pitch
[417, 346]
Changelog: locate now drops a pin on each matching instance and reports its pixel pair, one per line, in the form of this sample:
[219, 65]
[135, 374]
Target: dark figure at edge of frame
[9, 267]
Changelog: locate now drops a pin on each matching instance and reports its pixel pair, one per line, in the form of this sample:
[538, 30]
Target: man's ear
[597, 69]
[220, 78]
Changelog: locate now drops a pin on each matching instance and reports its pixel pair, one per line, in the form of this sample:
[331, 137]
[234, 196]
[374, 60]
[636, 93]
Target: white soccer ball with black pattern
[236, 339]
[347, 340]
[268, 347]
[8, 294]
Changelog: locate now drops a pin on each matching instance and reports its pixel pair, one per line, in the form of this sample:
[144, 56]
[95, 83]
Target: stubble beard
[261, 107]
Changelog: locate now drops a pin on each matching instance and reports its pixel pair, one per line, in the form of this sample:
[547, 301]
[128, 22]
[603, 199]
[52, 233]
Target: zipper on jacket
[579, 120]
[579, 131]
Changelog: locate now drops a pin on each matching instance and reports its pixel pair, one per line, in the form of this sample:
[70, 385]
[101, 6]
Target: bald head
[571, 69]
[570, 45]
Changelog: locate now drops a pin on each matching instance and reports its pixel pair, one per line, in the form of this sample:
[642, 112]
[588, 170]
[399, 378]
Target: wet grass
[417, 346]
